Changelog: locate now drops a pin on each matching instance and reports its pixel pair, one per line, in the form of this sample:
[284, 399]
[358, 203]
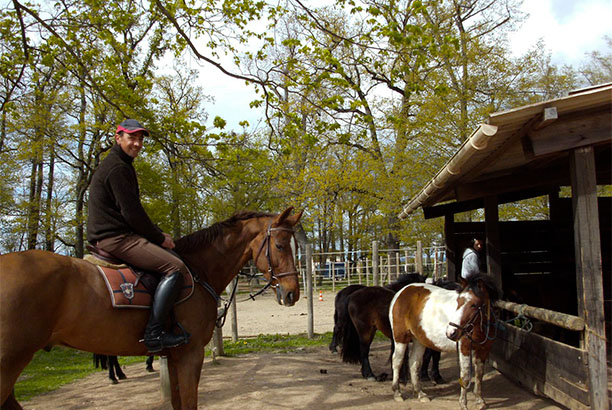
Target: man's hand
[168, 242]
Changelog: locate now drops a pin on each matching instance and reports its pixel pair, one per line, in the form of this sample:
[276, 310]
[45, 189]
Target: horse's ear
[281, 218]
[294, 219]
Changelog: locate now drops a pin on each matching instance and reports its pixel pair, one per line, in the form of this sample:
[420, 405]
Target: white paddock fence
[336, 270]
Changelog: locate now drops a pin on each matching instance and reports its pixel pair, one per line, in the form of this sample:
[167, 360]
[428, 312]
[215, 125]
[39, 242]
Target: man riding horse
[118, 224]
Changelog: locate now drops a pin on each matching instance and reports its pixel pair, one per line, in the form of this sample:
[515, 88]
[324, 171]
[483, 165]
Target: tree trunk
[49, 219]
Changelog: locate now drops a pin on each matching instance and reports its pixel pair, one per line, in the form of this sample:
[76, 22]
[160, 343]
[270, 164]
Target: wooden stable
[556, 270]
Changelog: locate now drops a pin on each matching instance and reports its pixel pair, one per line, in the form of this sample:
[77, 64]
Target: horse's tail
[341, 316]
[350, 351]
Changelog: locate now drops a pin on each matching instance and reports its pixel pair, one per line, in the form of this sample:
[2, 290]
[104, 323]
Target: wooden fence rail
[563, 320]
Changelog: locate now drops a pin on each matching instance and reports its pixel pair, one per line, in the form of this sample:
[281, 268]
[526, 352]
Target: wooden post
[587, 242]
[406, 256]
[367, 273]
[233, 285]
[333, 275]
[389, 270]
[314, 274]
[359, 271]
[451, 246]
[418, 258]
[397, 265]
[435, 267]
[164, 378]
[309, 292]
[493, 241]
[375, 262]
[347, 271]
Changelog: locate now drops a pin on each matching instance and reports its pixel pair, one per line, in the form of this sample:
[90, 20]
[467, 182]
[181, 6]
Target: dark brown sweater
[114, 201]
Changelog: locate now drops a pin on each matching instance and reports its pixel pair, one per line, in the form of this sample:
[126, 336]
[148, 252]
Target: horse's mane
[407, 278]
[207, 235]
[447, 284]
[489, 284]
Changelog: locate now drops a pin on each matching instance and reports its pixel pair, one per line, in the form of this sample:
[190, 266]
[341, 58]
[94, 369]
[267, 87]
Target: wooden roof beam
[477, 203]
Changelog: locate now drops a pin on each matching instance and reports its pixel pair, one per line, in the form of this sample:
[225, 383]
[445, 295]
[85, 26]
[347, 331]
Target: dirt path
[312, 378]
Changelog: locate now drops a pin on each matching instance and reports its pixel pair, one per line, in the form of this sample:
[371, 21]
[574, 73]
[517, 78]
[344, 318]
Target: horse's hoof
[424, 399]
[114, 381]
[481, 405]
[439, 380]
[371, 378]
[383, 377]
[150, 369]
[123, 377]
[398, 397]
[425, 378]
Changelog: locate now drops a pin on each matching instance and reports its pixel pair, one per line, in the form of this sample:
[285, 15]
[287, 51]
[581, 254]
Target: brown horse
[49, 299]
[445, 320]
[359, 312]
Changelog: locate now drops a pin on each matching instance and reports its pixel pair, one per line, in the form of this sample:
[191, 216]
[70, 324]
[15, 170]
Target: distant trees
[363, 101]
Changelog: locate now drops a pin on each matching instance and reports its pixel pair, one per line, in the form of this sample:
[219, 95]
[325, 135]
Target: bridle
[468, 329]
[273, 276]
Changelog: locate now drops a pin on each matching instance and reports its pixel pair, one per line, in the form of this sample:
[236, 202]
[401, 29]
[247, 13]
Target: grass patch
[50, 370]
[275, 343]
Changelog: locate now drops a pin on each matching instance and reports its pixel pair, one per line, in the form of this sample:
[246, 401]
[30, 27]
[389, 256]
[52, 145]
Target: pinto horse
[445, 320]
[49, 299]
[359, 312]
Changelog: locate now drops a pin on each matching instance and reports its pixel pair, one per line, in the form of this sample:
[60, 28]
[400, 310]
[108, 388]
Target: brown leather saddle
[129, 287]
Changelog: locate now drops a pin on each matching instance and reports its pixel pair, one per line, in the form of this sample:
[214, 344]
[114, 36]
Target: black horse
[114, 368]
[359, 312]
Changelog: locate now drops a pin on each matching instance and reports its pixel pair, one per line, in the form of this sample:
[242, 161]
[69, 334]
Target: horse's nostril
[289, 298]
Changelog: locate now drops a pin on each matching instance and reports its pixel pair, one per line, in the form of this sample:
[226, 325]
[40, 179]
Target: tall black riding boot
[155, 337]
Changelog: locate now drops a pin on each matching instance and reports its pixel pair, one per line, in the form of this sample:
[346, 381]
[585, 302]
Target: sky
[569, 28]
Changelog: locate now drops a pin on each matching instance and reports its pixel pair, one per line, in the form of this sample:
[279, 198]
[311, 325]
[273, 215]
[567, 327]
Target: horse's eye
[279, 246]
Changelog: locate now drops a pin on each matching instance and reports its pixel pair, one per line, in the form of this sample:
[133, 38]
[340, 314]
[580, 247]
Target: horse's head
[274, 254]
[473, 306]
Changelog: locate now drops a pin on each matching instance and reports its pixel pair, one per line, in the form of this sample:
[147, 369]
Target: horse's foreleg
[11, 366]
[11, 403]
[150, 364]
[416, 359]
[464, 378]
[366, 369]
[187, 361]
[435, 367]
[425, 365]
[479, 373]
[118, 371]
[396, 363]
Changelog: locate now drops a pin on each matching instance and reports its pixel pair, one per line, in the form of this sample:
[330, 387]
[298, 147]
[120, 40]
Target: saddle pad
[123, 293]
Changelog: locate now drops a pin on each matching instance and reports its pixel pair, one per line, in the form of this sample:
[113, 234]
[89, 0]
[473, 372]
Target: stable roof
[521, 152]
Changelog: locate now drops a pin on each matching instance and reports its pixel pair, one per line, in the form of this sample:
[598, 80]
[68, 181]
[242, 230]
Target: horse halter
[468, 328]
[273, 276]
